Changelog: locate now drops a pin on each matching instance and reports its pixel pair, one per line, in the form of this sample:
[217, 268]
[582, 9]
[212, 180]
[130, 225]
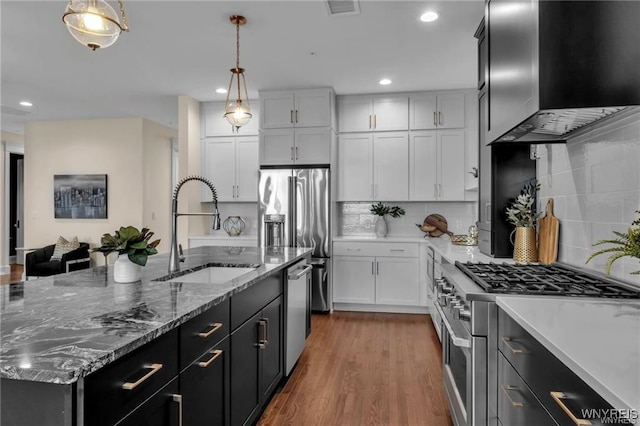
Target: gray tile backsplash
[355, 219]
[594, 180]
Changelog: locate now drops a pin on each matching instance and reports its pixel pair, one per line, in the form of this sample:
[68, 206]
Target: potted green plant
[522, 214]
[627, 244]
[381, 210]
[133, 246]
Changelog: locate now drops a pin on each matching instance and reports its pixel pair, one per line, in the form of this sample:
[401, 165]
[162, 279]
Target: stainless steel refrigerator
[302, 195]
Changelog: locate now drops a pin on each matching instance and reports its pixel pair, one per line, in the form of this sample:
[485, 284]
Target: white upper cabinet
[296, 146]
[437, 168]
[373, 167]
[296, 108]
[231, 164]
[437, 111]
[214, 124]
[373, 113]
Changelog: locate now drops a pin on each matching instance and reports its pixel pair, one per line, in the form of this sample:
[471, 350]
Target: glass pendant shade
[237, 114]
[94, 23]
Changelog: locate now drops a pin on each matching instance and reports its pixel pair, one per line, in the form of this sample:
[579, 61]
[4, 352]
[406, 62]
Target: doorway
[16, 206]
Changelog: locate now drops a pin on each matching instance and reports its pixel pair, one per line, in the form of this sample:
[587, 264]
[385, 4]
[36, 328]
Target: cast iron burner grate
[544, 280]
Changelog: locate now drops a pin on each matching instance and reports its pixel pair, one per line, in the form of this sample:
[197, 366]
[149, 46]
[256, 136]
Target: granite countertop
[598, 340]
[450, 252]
[59, 329]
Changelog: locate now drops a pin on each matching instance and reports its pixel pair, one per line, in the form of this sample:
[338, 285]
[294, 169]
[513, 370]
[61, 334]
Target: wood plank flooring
[365, 369]
[15, 276]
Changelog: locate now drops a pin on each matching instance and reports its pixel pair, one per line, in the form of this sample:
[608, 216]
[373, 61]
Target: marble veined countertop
[61, 328]
[598, 340]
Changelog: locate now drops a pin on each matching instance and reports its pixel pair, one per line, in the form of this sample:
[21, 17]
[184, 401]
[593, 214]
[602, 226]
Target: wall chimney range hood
[559, 66]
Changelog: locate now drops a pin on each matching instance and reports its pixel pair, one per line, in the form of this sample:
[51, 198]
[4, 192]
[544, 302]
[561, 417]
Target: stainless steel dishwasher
[298, 284]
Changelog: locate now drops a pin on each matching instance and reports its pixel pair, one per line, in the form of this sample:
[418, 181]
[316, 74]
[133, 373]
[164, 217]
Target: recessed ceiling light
[385, 81]
[221, 90]
[429, 16]
[26, 103]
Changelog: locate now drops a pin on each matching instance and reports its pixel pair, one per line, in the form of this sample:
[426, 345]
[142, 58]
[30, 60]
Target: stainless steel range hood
[556, 67]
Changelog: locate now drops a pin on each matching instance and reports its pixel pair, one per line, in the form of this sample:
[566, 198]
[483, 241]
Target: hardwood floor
[365, 369]
[15, 276]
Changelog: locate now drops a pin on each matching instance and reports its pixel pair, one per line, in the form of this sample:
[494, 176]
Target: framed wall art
[80, 196]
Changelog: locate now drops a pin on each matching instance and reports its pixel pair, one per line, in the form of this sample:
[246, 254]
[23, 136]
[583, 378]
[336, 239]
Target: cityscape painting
[80, 196]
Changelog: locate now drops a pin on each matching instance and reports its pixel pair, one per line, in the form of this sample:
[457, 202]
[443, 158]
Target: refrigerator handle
[292, 211]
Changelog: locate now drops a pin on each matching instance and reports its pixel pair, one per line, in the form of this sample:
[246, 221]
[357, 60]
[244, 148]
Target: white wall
[595, 183]
[115, 147]
[9, 142]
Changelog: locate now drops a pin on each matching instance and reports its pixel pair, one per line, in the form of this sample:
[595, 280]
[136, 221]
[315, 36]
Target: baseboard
[396, 309]
[5, 269]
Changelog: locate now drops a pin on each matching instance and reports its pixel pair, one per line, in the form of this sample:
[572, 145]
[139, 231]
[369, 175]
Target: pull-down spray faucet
[174, 257]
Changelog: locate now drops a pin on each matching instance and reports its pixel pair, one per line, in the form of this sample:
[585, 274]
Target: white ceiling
[187, 48]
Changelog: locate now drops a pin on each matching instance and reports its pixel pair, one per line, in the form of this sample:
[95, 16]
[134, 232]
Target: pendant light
[94, 23]
[237, 113]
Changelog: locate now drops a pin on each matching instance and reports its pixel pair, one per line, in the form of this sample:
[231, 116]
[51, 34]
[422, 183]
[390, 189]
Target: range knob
[443, 286]
[463, 313]
[446, 299]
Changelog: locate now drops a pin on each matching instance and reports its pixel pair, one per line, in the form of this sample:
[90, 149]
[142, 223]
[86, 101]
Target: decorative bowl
[233, 225]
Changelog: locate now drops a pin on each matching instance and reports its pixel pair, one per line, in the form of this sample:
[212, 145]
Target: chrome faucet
[174, 257]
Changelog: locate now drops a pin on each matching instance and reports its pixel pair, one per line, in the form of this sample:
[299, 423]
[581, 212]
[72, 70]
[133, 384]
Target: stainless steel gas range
[466, 302]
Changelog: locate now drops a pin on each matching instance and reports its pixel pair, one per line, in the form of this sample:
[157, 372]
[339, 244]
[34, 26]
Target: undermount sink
[212, 274]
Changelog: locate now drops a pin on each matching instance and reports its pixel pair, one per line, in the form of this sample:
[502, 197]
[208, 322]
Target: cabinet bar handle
[291, 153]
[397, 250]
[506, 341]
[353, 249]
[372, 269]
[291, 117]
[215, 353]
[439, 190]
[558, 397]
[296, 116]
[440, 118]
[435, 190]
[266, 331]
[261, 325]
[154, 369]
[435, 122]
[214, 328]
[178, 398]
[505, 389]
[237, 191]
[369, 120]
[377, 268]
[375, 122]
[296, 152]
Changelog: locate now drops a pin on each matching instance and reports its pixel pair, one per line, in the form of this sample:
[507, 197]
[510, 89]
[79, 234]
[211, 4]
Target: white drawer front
[359, 248]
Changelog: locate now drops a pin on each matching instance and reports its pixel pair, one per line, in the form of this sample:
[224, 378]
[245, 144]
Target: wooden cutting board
[439, 222]
[548, 229]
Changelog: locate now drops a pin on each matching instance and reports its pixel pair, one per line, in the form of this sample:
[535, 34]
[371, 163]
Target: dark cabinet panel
[245, 393]
[246, 303]
[162, 409]
[272, 354]
[204, 386]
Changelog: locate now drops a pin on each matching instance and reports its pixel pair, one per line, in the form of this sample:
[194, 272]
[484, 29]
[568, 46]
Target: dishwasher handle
[300, 273]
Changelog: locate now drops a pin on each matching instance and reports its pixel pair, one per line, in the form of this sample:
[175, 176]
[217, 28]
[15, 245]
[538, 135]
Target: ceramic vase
[125, 271]
[381, 227]
[524, 246]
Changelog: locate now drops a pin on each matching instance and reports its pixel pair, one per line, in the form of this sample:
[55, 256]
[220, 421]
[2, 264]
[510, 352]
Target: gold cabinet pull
[369, 120]
[266, 331]
[439, 118]
[178, 398]
[214, 328]
[291, 118]
[506, 341]
[558, 397]
[435, 120]
[375, 122]
[506, 389]
[154, 369]
[215, 353]
[261, 338]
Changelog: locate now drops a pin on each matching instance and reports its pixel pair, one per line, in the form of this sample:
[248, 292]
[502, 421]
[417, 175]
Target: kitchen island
[62, 330]
[598, 341]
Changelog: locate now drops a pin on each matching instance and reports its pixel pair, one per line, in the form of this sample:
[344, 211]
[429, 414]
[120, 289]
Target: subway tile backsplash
[355, 219]
[594, 180]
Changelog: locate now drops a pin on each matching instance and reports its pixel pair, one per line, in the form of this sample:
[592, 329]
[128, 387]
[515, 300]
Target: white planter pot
[381, 227]
[125, 271]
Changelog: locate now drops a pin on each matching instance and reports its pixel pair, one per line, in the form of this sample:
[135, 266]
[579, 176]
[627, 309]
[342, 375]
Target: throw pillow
[63, 246]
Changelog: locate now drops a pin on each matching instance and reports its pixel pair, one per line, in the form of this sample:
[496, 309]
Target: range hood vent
[548, 126]
[343, 7]
[556, 67]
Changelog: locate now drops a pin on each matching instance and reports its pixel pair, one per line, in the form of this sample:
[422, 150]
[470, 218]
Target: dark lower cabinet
[257, 365]
[164, 408]
[204, 386]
